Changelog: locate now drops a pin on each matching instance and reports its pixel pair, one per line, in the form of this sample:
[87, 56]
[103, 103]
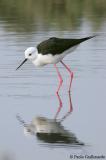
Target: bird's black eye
[30, 54]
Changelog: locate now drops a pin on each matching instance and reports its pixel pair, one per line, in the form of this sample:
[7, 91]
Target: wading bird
[52, 51]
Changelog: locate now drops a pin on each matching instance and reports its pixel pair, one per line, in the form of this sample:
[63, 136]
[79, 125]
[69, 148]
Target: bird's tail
[87, 38]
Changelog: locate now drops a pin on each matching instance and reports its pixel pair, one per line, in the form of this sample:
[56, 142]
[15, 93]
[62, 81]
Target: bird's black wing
[58, 45]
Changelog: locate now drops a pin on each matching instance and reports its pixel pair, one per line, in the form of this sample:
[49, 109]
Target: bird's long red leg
[57, 92]
[70, 72]
[71, 78]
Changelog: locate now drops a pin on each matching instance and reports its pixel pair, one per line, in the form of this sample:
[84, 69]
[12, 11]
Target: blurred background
[47, 15]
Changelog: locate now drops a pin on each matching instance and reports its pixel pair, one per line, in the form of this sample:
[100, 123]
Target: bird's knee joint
[61, 81]
[57, 92]
[72, 75]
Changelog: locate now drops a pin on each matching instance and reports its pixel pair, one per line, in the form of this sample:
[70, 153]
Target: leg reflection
[70, 108]
[60, 106]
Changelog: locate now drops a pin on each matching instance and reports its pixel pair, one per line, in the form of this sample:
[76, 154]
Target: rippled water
[30, 91]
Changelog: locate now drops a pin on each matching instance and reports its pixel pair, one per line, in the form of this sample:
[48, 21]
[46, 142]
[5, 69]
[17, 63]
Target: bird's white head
[31, 54]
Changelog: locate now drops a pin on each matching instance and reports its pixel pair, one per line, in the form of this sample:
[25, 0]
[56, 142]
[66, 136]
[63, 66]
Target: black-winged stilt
[52, 51]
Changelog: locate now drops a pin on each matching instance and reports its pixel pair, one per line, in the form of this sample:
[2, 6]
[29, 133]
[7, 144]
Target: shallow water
[30, 91]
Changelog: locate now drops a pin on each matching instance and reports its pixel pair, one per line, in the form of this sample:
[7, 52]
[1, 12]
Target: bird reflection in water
[49, 131]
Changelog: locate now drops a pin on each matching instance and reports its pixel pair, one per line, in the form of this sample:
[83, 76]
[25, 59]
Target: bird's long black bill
[21, 64]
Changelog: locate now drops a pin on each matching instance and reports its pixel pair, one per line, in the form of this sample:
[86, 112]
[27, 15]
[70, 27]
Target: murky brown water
[31, 91]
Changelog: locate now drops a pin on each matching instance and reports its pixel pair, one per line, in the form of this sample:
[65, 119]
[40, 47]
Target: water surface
[31, 91]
